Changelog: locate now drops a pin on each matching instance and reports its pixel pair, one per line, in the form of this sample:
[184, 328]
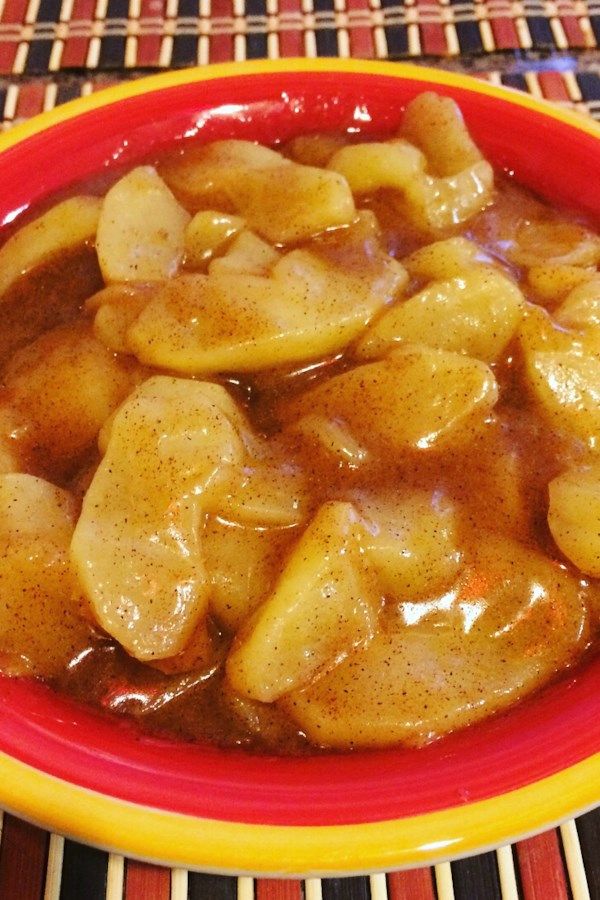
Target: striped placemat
[42, 36]
[47, 35]
[21, 98]
[557, 865]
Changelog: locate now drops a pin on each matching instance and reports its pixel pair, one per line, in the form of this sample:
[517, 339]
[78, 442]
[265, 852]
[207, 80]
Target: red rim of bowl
[543, 735]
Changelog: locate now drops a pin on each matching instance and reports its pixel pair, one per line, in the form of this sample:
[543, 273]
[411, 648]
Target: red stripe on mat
[83, 11]
[505, 34]
[143, 882]
[221, 48]
[278, 890]
[8, 52]
[14, 11]
[573, 32]
[30, 103]
[22, 860]
[152, 9]
[75, 52]
[361, 43]
[221, 45]
[152, 18]
[148, 50]
[433, 39]
[76, 47]
[291, 41]
[553, 86]
[541, 868]
[416, 884]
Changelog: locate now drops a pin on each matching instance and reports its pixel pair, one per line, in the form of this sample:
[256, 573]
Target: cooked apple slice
[551, 282]
[411, 542]
[433, 204]
[324, 606]
[136, 548]
[58, 391]
[247, 253]
[200, 175]
[283, 201]
[417, 399]
[116, 307]
[566, 384]
[581, 307]
[449, 258]
[574, 517]
[40, 625]
[293, 202]
[66, 225]
[435, 124]
[207, 234]
[511, 621]
[476, 313]
[242, 563]
[234, 322]
[267, 495]
[141, 231]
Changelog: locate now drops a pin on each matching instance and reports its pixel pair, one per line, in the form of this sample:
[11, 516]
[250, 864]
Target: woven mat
[22, 97]
[557, 865]
[562, 864]
[52, 51]
[39, 36]
[42, 36]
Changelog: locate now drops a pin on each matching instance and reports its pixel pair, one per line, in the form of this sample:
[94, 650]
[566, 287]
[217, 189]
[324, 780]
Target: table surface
[54, 50]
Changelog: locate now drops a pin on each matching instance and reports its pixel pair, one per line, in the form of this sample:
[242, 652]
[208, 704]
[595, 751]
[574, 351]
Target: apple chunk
[228, 321]
[412, 541]
[416, 399]
[141, 231]
[476, 313]
[67, 225]
[324, 606]
[512, 619]
[574, 517]
[40, 625]
[136, 548]
[282, 200]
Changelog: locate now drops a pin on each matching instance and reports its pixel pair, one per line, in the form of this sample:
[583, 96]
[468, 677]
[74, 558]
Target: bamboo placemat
[52, 51]
[558, 865]
[40, 36]
[22, 97]
[562, 864]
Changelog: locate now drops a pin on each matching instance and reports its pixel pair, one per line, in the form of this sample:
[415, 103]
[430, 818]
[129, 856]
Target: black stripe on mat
[588, 829]
[469, 37]
[185, 50]
[345, 889]
[541, 33]
[477, 877]
[38, 57]
[211, 887]
[112, 52]
[83, 873]
[256, 45]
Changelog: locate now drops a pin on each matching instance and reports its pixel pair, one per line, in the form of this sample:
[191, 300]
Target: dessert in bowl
[311, 423]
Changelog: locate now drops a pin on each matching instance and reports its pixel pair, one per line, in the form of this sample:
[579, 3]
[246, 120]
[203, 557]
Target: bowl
[83, 775]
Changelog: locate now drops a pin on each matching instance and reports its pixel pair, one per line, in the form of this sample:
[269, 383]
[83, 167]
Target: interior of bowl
[543, 735]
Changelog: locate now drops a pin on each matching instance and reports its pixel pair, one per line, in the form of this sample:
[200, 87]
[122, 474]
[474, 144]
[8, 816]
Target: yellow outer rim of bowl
[405, 71]
[287, 850]
[234, 847]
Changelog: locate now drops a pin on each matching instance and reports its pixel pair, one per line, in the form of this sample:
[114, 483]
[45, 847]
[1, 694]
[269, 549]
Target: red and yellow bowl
[101, 782]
